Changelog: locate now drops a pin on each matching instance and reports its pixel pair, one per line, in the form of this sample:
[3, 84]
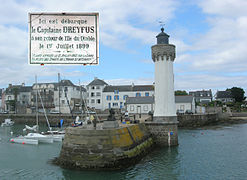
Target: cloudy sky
[210, 38]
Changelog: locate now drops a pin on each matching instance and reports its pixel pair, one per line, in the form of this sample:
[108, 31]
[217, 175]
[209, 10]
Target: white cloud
[226, 8]
[140, 81]
[209, 81]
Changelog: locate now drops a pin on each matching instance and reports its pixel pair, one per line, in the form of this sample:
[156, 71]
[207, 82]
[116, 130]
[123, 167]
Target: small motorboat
[7, 122]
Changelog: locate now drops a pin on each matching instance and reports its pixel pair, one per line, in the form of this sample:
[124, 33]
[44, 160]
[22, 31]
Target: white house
[184, 103]
[95, 93]
[71, 97]
[115, 96]
[142, 105]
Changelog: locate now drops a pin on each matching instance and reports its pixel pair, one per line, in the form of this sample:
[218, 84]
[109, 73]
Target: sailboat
[37, 136]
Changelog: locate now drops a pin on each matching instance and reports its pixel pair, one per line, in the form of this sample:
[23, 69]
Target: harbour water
[209, 153]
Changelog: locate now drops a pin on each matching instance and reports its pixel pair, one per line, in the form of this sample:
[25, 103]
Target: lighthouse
[164, 125]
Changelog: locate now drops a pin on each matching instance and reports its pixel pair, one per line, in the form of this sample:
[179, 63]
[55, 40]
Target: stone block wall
[197, 120]
[159, 133]
[104, 149]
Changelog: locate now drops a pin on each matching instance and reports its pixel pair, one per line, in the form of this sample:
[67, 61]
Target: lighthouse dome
[162, 38]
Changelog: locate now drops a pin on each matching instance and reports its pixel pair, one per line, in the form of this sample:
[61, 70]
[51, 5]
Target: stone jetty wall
[104, 149]
[197, 120]
[163, 134]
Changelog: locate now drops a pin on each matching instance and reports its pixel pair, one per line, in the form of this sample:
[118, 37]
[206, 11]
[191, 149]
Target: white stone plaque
[64, 38]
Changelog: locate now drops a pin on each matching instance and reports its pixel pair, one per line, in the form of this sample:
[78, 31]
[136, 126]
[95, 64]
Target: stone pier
[104, 149]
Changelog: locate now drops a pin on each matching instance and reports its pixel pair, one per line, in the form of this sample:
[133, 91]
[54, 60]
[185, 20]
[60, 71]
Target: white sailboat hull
[22, 140]
[41, 138]
[56, 138]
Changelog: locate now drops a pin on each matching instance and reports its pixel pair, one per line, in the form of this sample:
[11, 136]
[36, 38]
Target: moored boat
[7, 122]
[22, 140]
[41, 138]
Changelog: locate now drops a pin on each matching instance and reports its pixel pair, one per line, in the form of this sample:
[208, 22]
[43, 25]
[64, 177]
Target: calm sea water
[213, 153]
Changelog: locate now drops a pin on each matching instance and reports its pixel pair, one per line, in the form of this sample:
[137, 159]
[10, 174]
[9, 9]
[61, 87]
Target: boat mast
[80, 96]
[37, 117]
[59, 94]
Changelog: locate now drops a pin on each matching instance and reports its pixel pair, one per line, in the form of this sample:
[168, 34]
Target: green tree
[237, 93]
[180, 93]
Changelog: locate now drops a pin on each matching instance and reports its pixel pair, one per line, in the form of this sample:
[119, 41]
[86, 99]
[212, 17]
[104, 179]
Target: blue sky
[210, 38]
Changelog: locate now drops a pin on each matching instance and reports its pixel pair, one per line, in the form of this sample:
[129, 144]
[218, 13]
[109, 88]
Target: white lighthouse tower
[165, 122]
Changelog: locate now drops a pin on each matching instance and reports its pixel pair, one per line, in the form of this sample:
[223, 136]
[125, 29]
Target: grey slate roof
[96, 82]
[183, 99]
[150, 99]
[223, 94]
[200, 94]
[25, 89]
[127, 88]
[66, 83]
[140, 100]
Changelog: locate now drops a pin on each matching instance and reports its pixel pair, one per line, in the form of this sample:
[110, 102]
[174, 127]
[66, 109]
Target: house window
[125, 96]
[116, 97]
[98, 101]
[63, 101]
[114, 104]
[145, 108]
[138, 94]
[131, 108]
[92, 94]
[97, 87]
[92, 101]
[108, 98]
[93, 87]
[147, 94]
[98, 94]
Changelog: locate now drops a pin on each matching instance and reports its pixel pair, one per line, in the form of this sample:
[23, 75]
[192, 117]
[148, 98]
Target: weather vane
[162, 24]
